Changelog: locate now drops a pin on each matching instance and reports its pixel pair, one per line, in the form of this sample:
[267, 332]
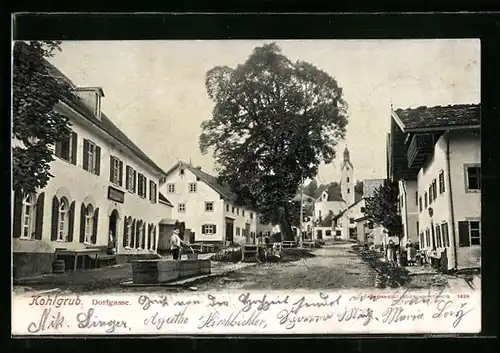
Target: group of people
[393, 250]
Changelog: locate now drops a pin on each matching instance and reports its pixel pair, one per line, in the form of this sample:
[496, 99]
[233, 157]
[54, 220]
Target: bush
[227, 256]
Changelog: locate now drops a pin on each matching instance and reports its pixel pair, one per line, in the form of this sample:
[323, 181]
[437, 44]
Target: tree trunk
[285, 227]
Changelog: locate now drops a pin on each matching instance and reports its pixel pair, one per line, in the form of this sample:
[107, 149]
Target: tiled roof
[105, 123]
[438, 116]
[222, 189]
[162, 198]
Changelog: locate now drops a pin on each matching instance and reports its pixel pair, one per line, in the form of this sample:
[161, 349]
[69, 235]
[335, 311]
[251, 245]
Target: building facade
[440, 153]
[209, 209]
[104, 192]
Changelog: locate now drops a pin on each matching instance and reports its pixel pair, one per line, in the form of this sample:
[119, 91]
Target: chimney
[91, 97]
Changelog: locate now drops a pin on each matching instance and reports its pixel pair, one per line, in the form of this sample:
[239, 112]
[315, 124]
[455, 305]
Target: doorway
[112, 233]
[229, 231]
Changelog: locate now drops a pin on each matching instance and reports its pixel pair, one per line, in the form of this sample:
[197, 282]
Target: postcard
[232, 187]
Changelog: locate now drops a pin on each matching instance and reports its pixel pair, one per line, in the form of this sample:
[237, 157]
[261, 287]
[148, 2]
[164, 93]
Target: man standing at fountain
[175, 244]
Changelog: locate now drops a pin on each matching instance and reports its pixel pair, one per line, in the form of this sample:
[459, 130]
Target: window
[422, 243]
[62, 230]
[237, 211]
[128, 242]
[152, 191]
[363, 210]
[428, 238]
[66, 148]
[28, 216]
[238, 231]
[227, 208]
[141, 185]
[192, 187]
[251, 215]
[89, 223]
[430, 194]
[416, 198]
[182, 207]
[420, 203]
[319, 214]
[91, 157]
[209, 206]
[232, 209]
[444, 233]
[441, 182]
[475, 233]
[348, 190]
[243, 213]
[425, 200]
[473, 179]
[170, 188]
[208, 229]
[347, 179]
[417, 228]
[130, 178]
[351, 220]
[181, 172]
[438, 237]
[116, 171]
[434, 190]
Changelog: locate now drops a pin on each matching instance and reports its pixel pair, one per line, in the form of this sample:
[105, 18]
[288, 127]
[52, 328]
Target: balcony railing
[421, 145]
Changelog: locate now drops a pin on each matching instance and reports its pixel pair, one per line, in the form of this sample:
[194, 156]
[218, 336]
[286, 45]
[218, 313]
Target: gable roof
[223, 189]
[422, 118]
[104, 123]
[163, 199]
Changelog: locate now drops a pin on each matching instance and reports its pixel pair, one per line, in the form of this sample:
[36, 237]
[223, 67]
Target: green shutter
[97, 160]
[85, 154]
[39, 216]
[55, 216]
[71, 222]
[82, 223]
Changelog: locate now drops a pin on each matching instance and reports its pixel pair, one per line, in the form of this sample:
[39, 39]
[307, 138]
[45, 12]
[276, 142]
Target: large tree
[382, 208]
[311, 188]
[359, 187]
[273, 122]
[35, 126]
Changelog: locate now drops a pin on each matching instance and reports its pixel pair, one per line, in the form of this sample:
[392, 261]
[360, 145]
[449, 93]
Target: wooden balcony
[420, 147]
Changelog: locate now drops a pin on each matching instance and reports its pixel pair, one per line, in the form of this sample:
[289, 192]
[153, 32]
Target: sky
[155, 90]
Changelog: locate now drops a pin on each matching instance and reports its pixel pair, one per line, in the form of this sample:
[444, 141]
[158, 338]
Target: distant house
[209, 208]
[435, 155]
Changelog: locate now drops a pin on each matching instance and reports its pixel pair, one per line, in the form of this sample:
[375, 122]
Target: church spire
[346, 155]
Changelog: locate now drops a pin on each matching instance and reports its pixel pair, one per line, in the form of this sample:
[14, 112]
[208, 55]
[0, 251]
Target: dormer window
[91, 98]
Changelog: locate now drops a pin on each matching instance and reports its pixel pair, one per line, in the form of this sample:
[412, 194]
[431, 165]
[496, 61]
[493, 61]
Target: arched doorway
[113, 232]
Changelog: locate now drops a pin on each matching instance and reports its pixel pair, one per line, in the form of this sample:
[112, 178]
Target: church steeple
[346, 155]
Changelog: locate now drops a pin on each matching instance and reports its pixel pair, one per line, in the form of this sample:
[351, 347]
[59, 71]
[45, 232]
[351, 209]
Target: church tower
[347, 179]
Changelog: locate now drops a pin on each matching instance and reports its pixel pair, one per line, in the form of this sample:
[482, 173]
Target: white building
[208, 207]
[102, 184]
[435, 153]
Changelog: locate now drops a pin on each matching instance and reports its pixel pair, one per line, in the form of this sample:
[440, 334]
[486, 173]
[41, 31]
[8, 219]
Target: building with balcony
[435, 155]
[103, 193]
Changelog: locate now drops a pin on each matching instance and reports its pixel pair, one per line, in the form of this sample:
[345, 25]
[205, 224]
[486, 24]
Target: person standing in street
[175, 244]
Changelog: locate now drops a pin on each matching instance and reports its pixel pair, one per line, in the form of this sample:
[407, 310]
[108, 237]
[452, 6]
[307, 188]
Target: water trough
[152, 272]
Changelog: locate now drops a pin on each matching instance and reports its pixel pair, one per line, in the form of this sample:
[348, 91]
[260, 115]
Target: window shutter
[215, 229]
[120, 175]
[203, 229]
[111, 162]
[132, 236]
[124, 243]
[154, 238]
[39, 216]
[58, 148]
[18, 212]
[143, 238]
[150, 191]
[97, 160]
[463, 233]
[82, 223]
[138, 229]
[95, 222]
[55, 216]
[127, 176]
[74, 146]
[71, 221]
[85, 154]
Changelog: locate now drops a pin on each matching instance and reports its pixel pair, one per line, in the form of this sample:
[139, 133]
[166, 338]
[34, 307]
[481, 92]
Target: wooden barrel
[58, 266]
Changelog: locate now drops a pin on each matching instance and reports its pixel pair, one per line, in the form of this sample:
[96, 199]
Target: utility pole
[301, 234]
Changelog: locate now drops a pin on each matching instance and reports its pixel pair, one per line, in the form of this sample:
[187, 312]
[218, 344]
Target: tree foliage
[327, 220]
[382, 208]
[273, 122]
[358, 188]
[311, 188]
[35, 124]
